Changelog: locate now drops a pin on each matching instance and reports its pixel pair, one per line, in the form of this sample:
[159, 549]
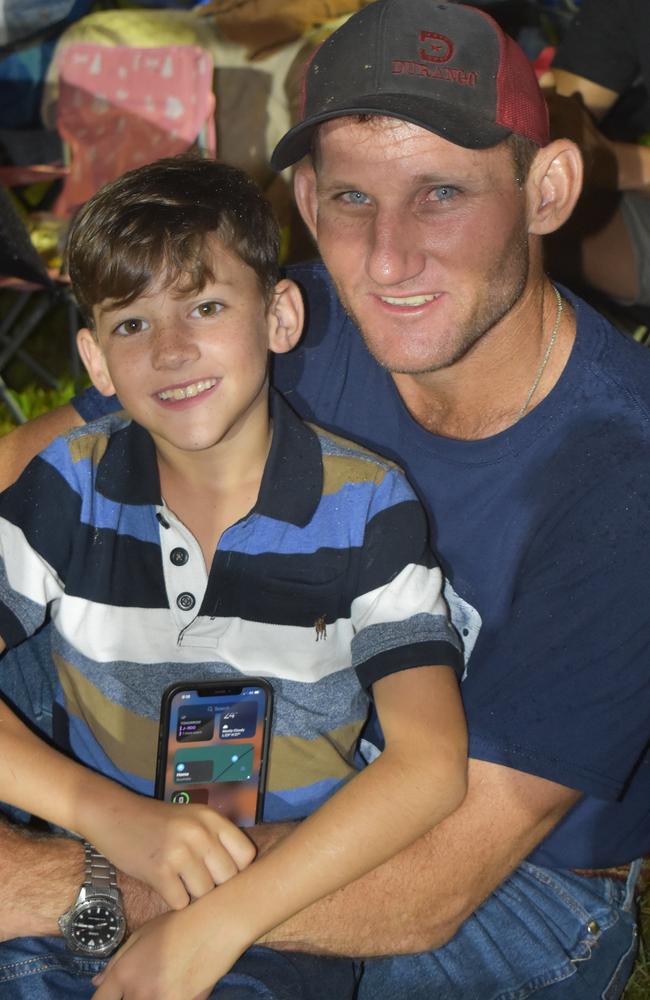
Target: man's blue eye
[443, 193]
[355, 197]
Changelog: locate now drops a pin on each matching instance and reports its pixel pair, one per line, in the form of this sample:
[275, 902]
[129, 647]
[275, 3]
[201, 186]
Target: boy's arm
[182, 853]
[417, 781]
[414, 902]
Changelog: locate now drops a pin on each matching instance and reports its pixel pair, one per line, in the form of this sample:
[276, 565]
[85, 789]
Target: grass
[638, 987]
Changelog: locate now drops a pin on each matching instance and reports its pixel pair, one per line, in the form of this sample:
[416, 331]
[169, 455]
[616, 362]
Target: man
[521, 417]
[604, 56]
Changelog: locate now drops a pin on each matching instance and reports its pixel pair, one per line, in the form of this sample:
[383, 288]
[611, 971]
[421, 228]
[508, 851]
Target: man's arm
[419, 899]
[25, 442]
[45, 883]
[414, 902]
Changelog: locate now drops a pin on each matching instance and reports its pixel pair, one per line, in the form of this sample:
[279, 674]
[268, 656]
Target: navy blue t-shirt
[544, 530]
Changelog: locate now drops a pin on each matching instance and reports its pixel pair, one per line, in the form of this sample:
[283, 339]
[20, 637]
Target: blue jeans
[542, 934]
[43, 969]
[545, 934]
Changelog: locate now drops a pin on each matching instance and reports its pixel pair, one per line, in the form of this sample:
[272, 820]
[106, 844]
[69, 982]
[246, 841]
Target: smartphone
[213, 745]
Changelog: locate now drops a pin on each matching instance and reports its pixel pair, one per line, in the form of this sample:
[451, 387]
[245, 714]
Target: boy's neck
[213, 489]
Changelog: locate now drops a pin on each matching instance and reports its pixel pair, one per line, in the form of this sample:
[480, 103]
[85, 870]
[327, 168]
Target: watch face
[97, 927]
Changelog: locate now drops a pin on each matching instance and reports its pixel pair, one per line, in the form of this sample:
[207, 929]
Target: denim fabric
[546, 934]
[543, 934]
[43, 969]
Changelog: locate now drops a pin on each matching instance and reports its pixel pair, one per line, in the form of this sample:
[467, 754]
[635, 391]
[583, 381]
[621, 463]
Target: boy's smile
[191, 366]
[181, 393]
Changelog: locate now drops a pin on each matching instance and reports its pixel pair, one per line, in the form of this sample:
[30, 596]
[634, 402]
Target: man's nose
[173, 346]
[395, 253]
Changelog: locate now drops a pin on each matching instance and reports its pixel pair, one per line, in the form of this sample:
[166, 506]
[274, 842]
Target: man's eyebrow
[450, 177]
[436, 177]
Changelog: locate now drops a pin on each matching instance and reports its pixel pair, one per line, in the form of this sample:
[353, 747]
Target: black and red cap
[446, 67]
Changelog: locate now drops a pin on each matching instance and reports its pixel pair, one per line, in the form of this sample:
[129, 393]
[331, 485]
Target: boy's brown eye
[208, 309]
[129, 326]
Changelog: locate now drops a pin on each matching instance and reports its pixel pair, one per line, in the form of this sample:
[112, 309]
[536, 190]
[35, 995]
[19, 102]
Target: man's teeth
[187, 391]
[408, 300]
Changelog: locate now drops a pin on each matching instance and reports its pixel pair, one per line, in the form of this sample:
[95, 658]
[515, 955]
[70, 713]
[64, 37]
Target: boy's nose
[172, 347]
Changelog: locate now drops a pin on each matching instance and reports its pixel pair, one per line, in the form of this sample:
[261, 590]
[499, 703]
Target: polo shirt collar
[292, 481]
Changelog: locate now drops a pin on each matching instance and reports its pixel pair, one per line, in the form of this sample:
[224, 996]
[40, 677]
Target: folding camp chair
[33, 291]
[122, 107]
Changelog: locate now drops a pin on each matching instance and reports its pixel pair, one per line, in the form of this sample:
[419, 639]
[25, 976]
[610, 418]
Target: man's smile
[407, 300]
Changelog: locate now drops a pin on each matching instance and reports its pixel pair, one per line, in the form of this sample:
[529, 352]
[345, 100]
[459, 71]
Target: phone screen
[213, 749]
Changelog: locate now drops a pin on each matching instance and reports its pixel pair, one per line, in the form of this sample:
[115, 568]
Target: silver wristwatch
[95, 923]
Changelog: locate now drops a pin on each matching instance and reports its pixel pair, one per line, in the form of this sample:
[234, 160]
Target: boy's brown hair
[158, 221]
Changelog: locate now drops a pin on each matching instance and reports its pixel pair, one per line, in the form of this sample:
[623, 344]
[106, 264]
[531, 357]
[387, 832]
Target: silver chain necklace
[547, 354]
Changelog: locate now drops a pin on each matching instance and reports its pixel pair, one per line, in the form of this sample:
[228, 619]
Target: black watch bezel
[107, 945]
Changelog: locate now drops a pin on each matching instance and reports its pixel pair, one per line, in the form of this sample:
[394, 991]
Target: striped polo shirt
[336, 541]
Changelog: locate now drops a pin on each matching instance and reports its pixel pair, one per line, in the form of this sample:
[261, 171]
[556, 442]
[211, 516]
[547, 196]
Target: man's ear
[553, 186]
[285, 317]
[304, 190]
[94, 361]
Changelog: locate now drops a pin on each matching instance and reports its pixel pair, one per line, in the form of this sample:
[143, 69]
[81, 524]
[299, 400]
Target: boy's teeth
[410, 300]
[187, 391]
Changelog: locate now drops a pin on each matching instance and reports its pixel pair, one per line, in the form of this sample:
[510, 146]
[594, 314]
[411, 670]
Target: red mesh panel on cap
[520, 104]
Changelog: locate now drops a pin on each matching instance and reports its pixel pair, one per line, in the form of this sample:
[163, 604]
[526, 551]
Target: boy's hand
[169, 959]
[180, 851]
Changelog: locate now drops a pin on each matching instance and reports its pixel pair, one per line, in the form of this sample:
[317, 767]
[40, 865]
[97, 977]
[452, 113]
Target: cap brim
[459, 125]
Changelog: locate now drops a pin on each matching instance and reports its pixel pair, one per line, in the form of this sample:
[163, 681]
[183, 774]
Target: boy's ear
[304, 190]
[553, 186]
[94, 361]
[285, 317]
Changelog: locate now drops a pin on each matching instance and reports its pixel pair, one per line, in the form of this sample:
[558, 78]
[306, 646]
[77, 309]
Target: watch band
[95, 924]
[100, 874]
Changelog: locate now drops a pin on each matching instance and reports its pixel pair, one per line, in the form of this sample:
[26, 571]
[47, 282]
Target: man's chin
[395, 360]
[398, 361]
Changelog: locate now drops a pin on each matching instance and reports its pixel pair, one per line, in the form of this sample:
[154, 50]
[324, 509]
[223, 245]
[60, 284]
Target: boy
[202, 534]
